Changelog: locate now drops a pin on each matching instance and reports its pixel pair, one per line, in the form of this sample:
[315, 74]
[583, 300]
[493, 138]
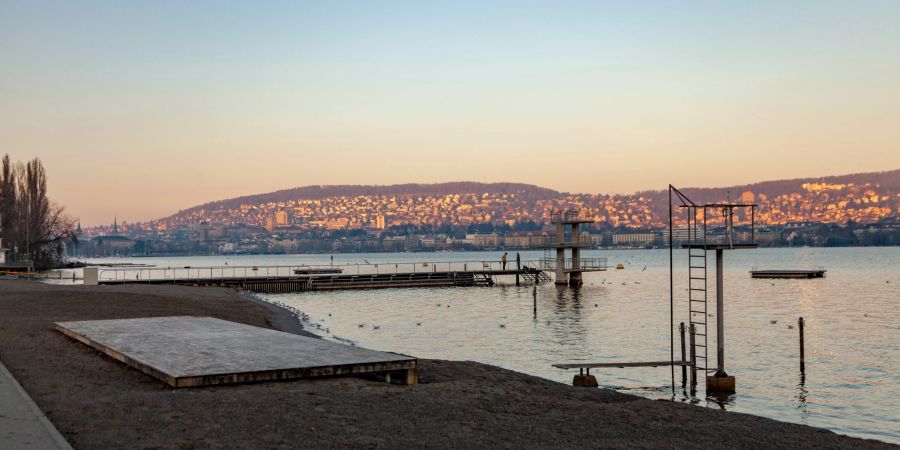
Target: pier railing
[586, 264]
[299, 271]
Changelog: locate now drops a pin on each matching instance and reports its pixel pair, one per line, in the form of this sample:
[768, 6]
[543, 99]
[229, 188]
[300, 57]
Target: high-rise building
[379, 222]
[282, 218]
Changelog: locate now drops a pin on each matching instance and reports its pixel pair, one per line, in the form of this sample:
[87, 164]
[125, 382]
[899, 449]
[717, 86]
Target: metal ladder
[697, 302]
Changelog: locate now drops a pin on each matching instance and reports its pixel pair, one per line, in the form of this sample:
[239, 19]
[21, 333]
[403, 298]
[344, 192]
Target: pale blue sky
[142, 108]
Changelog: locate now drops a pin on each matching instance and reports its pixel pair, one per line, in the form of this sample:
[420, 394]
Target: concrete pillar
[575, 277]
[561, 278]
[91, 276]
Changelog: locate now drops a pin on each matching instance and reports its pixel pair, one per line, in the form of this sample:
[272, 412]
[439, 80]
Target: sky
[139, 109]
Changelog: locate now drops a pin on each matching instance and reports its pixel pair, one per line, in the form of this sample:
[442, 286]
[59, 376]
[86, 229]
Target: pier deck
[258, 280]
[186, 351]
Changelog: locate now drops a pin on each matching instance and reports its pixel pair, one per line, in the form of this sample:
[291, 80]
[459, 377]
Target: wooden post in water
[534, 295]
[693, 335]
[683, 368]
[802, 351]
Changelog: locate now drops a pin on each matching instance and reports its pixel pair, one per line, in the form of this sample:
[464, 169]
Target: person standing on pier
[503, 260]
[518, 261]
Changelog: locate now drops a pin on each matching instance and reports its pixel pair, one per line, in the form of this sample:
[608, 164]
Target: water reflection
[802, 393]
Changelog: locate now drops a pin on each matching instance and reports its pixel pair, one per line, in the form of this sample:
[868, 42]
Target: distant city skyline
[139, 110]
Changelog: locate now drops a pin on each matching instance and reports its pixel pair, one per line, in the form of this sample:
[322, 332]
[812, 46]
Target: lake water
[852, 379]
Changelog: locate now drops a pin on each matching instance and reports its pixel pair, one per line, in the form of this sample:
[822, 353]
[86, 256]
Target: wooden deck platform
[813, 273]
[335, 281]
[186, 351]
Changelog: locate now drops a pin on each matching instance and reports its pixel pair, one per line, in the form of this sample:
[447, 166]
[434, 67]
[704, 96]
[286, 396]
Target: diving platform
[185, 351]
[814, 273]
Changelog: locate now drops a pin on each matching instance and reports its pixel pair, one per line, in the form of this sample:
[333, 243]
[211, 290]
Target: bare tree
[8, 202]
[35, 228]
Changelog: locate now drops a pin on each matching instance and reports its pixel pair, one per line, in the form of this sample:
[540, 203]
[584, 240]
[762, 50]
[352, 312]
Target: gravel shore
[97, 402]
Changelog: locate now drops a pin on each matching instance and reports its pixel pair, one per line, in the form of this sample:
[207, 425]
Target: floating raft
[817, 273]
[186, 351]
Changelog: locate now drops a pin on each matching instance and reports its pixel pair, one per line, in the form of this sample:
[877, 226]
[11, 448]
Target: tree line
[31, 226]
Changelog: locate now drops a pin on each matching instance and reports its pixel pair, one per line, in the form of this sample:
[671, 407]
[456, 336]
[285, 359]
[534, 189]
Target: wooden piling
[683, 368]
[534, 295]
[693, 336]
[802, 350]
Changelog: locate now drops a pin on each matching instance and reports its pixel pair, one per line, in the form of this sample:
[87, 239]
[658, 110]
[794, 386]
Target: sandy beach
[97, 402]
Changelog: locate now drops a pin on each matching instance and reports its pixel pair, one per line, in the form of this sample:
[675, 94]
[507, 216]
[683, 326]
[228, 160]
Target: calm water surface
[852, 379]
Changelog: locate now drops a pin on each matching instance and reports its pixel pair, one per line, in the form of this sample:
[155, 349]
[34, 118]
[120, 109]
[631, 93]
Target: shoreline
[97, 402]
[281, 318]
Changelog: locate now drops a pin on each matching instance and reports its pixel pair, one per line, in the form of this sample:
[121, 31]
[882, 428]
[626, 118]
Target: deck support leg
[681, 331]
[584, 379]
[720, 381]
[411, 377]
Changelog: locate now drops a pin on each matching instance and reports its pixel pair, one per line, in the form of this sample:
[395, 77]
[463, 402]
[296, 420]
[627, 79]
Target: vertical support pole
[681, 331]
[561, 277]
[534, 295]
[802, 351]
[720, 313]
[672, 297]
[693, 336]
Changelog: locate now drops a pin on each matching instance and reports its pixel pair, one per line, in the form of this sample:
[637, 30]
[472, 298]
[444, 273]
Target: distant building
[679, 234]
[634, 239]
[379, 222]
[485, 240]
[112, 246]
[282, 218]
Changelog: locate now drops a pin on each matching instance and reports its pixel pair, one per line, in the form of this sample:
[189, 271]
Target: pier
[282, 279]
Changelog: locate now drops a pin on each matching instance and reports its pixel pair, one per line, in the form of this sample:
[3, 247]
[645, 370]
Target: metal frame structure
[699, 240]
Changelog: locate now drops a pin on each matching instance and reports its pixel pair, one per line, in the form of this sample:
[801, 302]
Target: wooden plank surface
[196, 351]
[621, 364]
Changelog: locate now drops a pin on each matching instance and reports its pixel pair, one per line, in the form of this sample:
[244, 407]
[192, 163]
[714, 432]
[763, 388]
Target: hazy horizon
[140, 110]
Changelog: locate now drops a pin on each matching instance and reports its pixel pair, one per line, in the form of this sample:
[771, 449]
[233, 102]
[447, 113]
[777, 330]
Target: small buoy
[620, 266]
[418, 323]
[502, 326]
[595, 305]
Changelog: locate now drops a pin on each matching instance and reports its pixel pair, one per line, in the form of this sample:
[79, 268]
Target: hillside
[863, 197]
